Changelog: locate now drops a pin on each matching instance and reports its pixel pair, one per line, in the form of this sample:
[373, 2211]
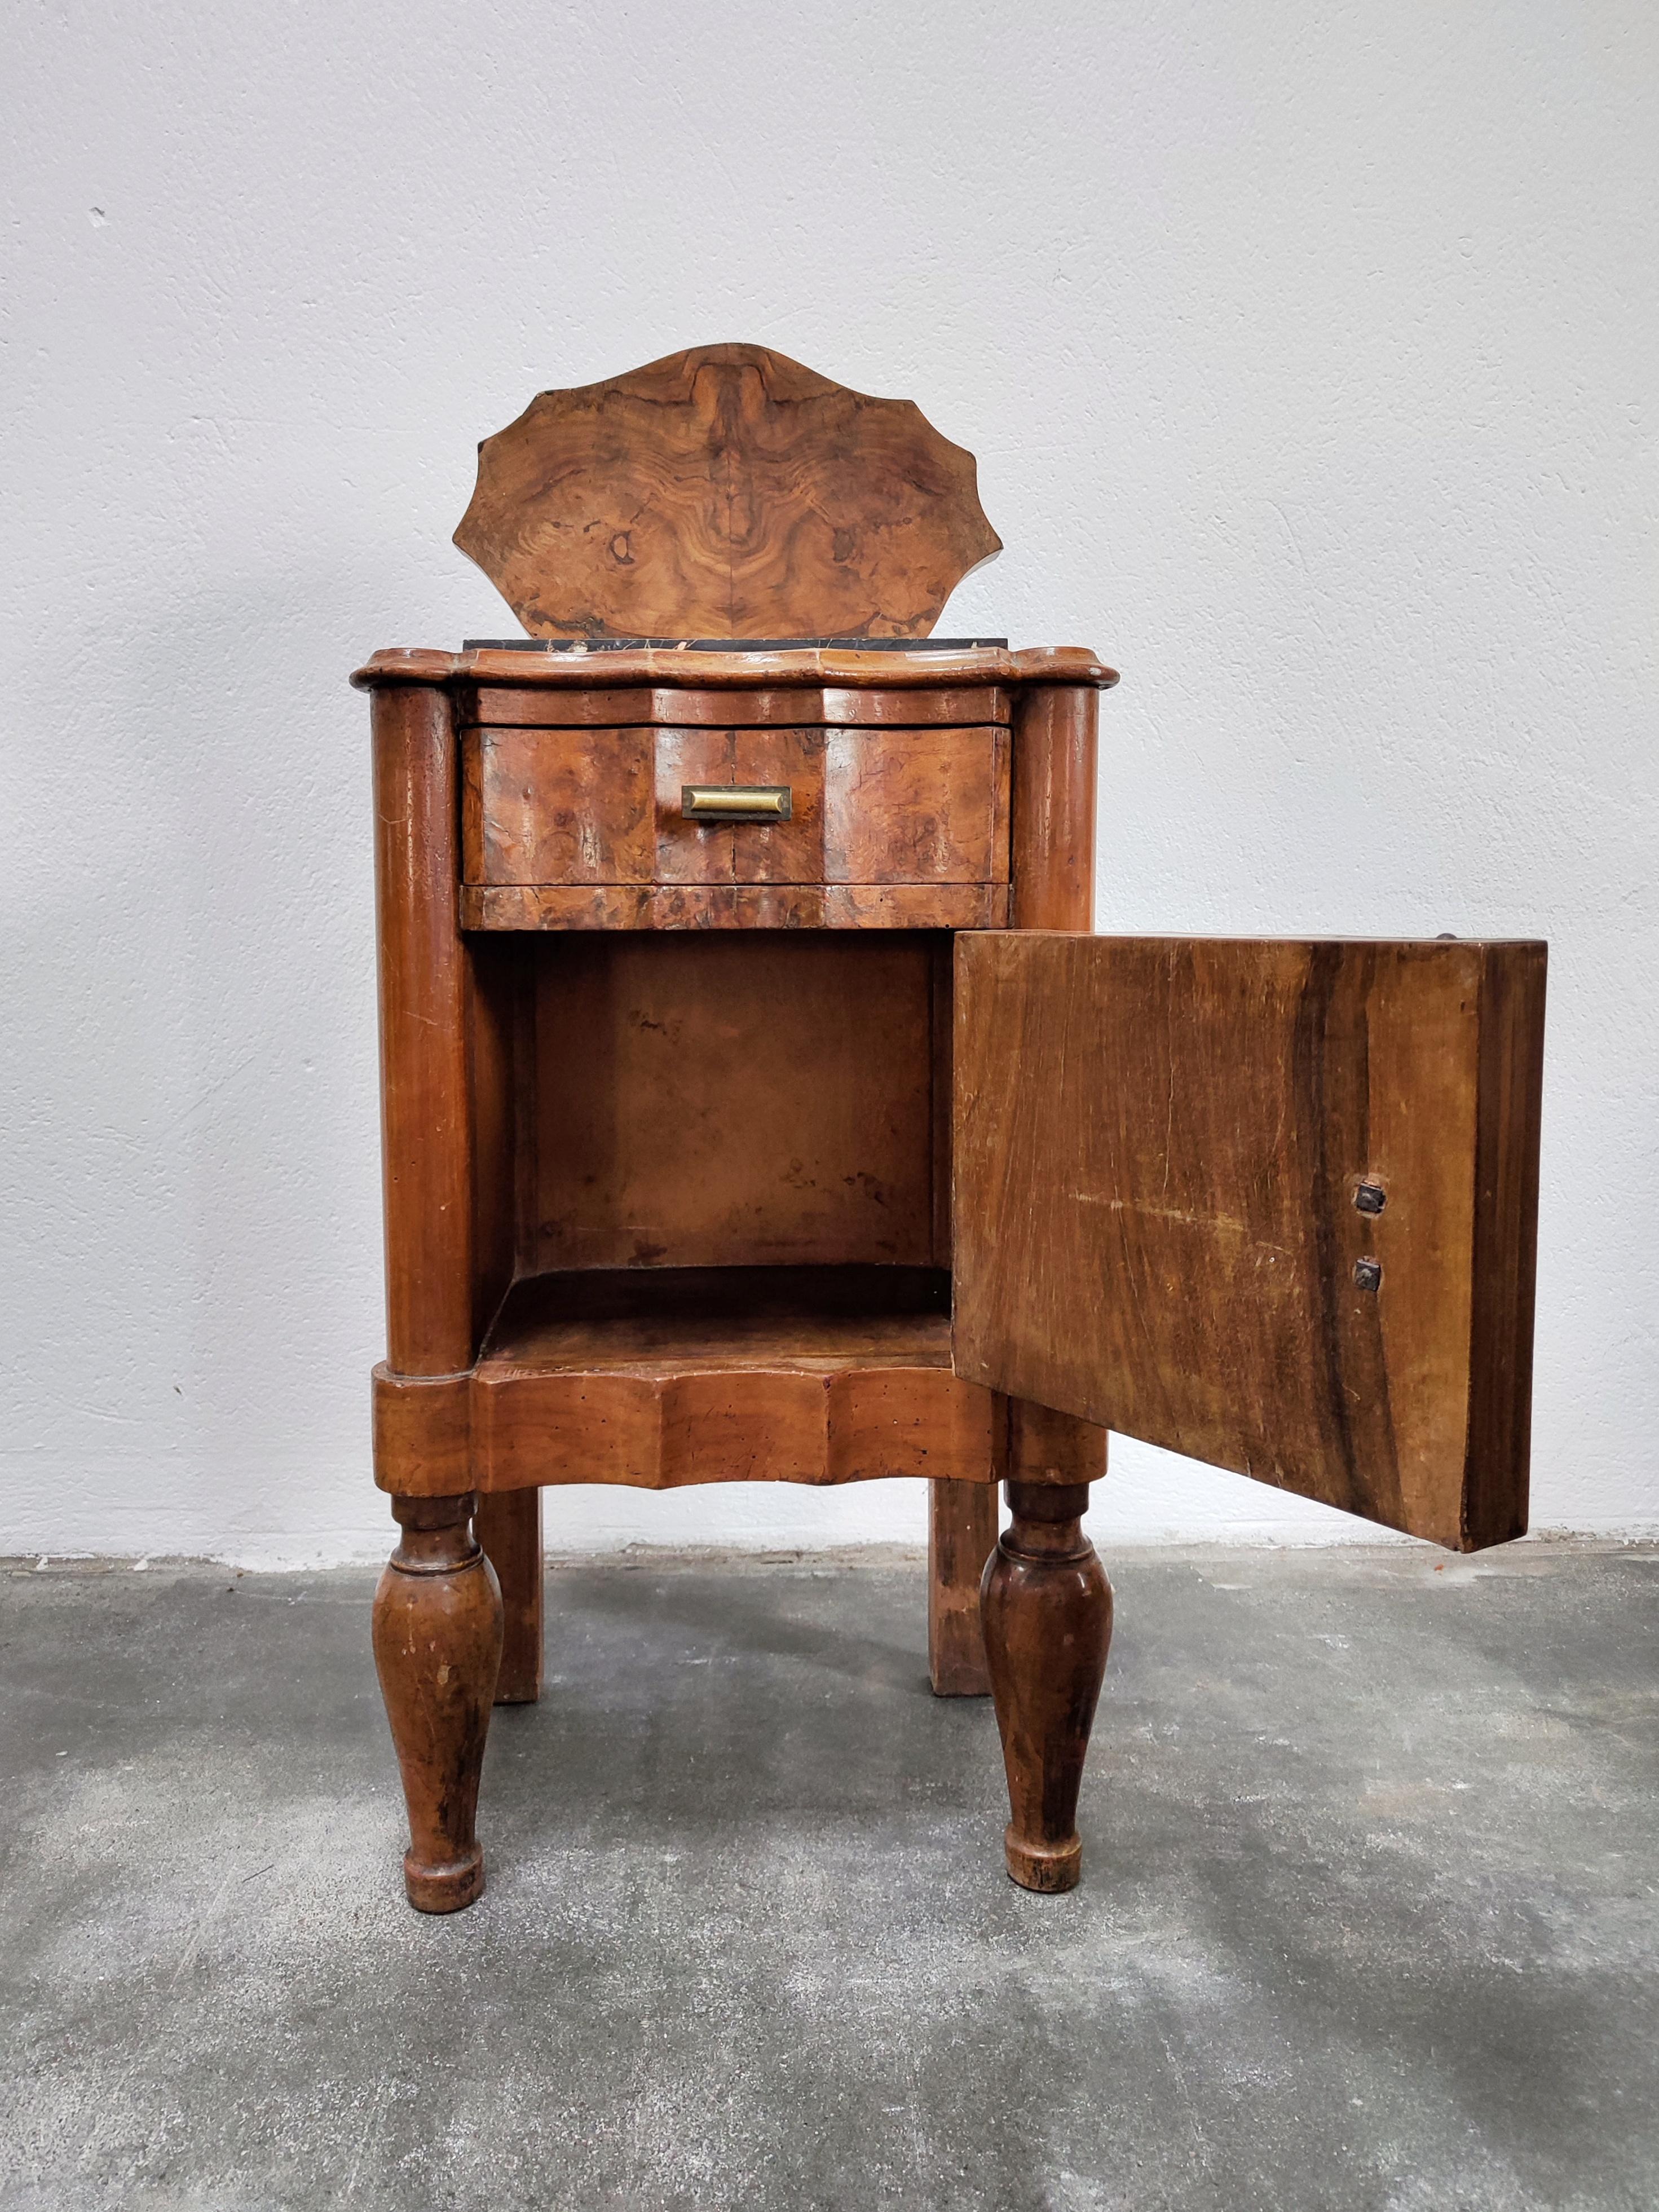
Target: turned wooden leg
[962, 1535]
[437, 1648]
[508, 1524]
[1047, 1607]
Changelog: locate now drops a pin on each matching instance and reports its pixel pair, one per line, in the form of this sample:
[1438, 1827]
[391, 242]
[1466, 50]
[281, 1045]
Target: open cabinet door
[1272, 1204]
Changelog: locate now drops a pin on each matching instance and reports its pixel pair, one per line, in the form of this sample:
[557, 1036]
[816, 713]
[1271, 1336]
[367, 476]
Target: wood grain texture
[725, 491]
[497, 1011]
[664, 1320]
[764, 1423]
[423, 1433]
[1053, 807]
[731, 706]
[508, 1525]
[437, 1651]
[914, 806]
[566, 808]
[942, 1013]
[569, 1074]
[426, 1098]
[1157, 1146]
[741, 1099]
[559, 806]
[834, 669]
[1037, 1444]
[1054, 752]
[962, 1535]
[661, 1378]
[789, 852]
[1046, 1609]
[733, 906]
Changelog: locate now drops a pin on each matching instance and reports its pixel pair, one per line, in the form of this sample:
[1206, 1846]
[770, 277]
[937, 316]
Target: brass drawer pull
[736, 802]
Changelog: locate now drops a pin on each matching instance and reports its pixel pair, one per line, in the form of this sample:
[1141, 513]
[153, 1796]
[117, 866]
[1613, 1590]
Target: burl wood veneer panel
[1159, 1144]
[725, 491]
[558, 806]
[733, 906]
[744, 852]
[566, 807]
[733, 1100]
[588, 704]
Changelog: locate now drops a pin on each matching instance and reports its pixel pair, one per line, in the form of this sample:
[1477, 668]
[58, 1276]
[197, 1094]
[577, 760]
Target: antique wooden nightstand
[757, 1106]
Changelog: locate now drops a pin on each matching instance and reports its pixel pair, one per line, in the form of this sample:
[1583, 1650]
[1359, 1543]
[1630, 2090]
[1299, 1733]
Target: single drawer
[616, 807]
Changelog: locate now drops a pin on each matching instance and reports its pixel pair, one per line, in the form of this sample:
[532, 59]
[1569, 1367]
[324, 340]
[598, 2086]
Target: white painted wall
[1310, 353]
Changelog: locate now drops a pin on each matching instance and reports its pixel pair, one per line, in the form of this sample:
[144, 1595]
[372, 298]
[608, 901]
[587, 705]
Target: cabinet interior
[652, 1102]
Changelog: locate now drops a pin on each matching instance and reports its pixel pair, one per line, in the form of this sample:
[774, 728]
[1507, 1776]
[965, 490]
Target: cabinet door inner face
[740, 1099]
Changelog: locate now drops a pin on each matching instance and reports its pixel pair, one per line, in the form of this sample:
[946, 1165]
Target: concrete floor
[1370, 1913]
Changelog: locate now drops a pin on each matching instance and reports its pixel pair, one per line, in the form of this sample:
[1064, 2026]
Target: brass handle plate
[736, 802]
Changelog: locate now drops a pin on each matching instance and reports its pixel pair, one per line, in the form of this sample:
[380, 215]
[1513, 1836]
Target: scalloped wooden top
[723, 492]
[713, 671]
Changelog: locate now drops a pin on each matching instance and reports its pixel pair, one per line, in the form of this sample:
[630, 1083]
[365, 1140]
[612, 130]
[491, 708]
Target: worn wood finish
[1054, 804]
[423, 1433]
[445, 1075]
[1159, 1145]
[493, 706]
[671, 907]
[496, 1027]
[962, 1535]
[744, 1100]
[725, 491]
[812, 1424]
[508, 1525]
[962, 1525]
[659, 1320]
[1054, 875]
[559, 806]
[659, 1378]
[1047, 1610]
[426, 1101]
[840, 672]
[437, 1651]
[602, 1138]
[941, 1020]
[1053, 835]
[905, 806]
[1037, 1444]
[791, 852]
[662, 1378]
[605, 806]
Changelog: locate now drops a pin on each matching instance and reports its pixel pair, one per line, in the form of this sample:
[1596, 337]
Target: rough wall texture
[1308, 351]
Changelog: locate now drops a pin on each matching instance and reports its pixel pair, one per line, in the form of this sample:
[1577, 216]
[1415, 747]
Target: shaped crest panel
[723, 492]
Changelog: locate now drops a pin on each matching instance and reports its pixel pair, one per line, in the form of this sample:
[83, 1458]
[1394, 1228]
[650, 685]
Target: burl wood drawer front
[573, 807]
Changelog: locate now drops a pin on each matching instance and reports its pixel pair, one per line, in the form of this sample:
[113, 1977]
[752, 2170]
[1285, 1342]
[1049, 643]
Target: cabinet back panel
[764, 1097]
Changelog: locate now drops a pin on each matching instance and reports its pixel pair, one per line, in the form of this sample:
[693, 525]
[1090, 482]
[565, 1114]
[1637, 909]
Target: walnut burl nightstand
[758, 1106]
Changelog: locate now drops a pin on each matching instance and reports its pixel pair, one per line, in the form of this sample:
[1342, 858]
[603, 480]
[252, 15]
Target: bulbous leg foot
[1046, 1609]
[437, 1651]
